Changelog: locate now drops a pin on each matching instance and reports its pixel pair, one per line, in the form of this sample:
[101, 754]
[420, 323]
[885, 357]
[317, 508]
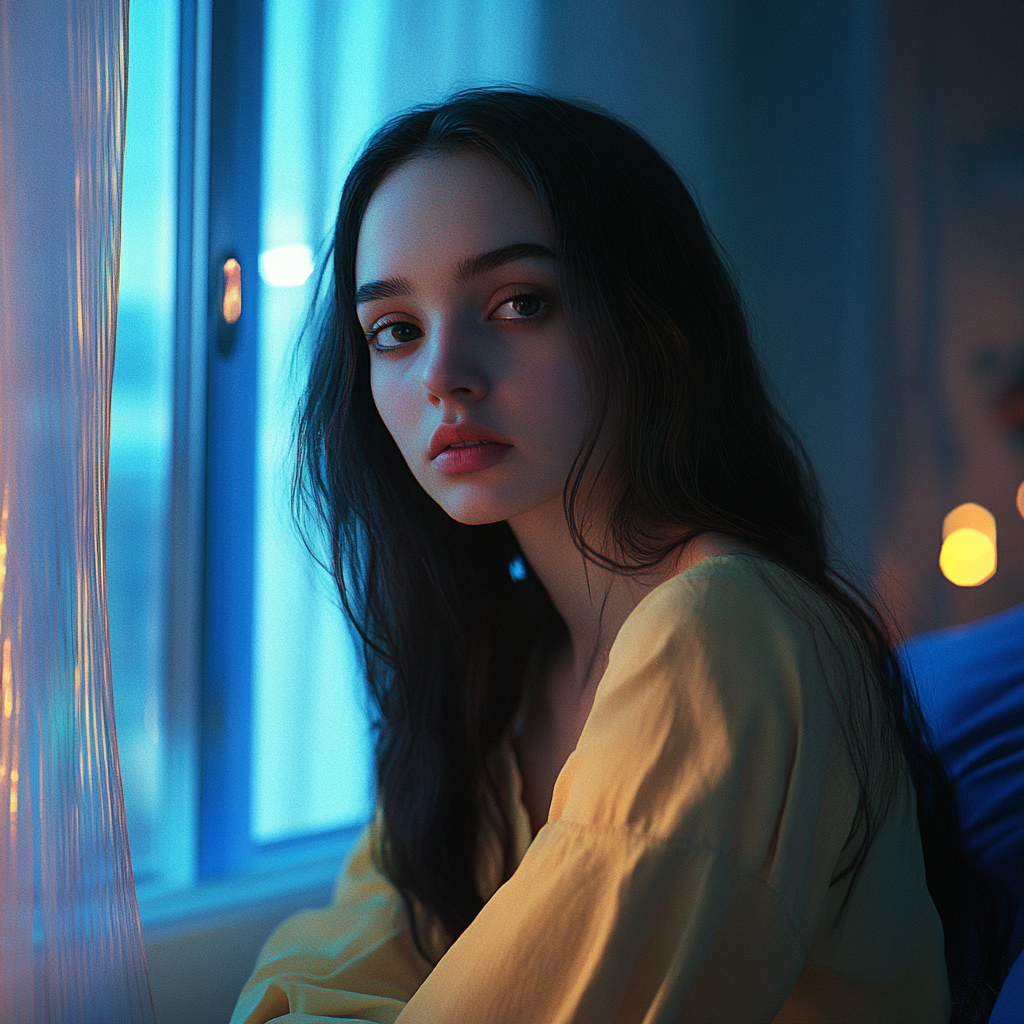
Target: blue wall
[769, 110]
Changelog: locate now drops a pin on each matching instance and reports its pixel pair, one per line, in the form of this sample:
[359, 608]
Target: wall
[769, 111]
[953, 338]
[198, 967]
[862, 162]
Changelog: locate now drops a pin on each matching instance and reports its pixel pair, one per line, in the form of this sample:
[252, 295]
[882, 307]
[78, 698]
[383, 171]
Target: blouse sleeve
[684, 871]
[354, 960]
[692, 836]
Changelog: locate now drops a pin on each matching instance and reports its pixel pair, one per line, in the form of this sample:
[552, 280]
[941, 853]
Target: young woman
[641, 755]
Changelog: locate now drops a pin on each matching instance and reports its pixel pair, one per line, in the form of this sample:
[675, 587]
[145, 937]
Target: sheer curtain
[70, 944]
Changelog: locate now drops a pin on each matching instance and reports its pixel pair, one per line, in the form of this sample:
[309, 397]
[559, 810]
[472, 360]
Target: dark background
[863, 165]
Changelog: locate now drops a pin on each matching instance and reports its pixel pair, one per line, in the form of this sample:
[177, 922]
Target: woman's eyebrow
[387, 289]
[473, 265]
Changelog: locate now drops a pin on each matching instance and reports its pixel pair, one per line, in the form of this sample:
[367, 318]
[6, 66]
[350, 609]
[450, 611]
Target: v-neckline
[521, 825]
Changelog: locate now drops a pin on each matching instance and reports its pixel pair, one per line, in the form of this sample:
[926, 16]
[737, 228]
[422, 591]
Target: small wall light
[1020, 499]
[232, 305]
[968, 555]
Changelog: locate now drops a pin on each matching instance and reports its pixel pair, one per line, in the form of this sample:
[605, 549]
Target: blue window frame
[235, 129]
[264, 745]
[227, 843]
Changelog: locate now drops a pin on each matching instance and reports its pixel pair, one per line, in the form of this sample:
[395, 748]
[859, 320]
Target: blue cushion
[970, 680]
[1009, 1008]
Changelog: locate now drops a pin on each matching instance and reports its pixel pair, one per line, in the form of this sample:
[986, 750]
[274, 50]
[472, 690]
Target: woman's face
[471, 364]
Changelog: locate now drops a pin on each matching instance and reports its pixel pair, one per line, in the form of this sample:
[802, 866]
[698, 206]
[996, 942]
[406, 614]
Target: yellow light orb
[968, 555]
[967, 558]
[1020, 499]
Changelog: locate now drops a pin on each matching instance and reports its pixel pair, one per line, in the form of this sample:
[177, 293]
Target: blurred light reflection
[286, 266]
[968, 554]
[232, 291]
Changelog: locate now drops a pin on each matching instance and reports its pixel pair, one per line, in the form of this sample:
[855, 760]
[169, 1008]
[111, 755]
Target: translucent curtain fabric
[70, 942]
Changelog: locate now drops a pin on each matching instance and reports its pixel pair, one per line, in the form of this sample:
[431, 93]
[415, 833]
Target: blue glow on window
[140, 425]
[332, 73]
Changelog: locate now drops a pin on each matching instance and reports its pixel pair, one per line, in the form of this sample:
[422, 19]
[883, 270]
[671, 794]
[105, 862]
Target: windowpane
[140, 430]
[332, 72]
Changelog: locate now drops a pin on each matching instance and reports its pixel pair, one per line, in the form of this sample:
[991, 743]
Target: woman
[640, 754]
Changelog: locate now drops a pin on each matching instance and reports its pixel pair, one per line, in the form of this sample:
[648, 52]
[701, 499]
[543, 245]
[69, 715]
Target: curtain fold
[70, 942]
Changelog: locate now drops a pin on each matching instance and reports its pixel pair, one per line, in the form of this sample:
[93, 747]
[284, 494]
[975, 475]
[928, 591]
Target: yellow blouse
[684, 871]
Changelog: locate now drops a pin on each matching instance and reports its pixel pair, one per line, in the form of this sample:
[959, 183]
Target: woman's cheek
[394, 406]
[559, 399]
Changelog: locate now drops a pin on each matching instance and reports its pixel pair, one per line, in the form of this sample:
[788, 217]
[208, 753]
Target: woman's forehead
[441, 209]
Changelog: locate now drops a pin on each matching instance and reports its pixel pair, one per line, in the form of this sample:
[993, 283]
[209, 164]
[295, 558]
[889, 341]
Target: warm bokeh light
[1020, 499]
[232, 291]
[968, 555]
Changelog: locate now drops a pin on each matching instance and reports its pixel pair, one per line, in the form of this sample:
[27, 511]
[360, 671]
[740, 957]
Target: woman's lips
[466, 447]
[470, 456]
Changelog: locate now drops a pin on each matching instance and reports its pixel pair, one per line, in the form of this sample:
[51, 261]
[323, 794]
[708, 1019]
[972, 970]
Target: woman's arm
[354, 960]
[684, 873]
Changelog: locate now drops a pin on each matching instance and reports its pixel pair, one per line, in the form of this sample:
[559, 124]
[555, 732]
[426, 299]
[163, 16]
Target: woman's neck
[594, 601]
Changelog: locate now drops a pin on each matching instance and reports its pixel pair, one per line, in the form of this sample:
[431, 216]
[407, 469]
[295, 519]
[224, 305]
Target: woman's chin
[483, 502]
[477, 507]
[472, 515]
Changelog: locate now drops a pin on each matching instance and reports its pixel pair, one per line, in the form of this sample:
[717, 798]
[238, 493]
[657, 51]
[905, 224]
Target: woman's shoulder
[713, 684]
[737, 609]
[737, 578]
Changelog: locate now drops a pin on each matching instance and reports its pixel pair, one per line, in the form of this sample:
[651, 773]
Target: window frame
[234, 198]
[208, 862]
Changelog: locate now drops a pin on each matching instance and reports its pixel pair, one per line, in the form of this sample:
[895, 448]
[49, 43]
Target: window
[327, 82]
[138, 500]
[244, 742]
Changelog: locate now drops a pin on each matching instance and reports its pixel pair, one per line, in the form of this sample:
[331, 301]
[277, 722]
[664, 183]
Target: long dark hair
[448, 633]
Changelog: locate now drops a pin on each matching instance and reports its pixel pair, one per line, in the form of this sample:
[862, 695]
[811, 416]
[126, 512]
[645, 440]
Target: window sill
[210, 903]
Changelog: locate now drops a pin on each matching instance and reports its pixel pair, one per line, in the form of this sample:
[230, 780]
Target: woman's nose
[454, 370]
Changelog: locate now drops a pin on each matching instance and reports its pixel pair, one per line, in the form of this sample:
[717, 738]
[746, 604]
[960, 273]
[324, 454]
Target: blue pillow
[970, 680]
[1009, 1008]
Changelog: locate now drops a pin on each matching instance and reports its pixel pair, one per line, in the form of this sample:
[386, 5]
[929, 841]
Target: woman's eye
[393, 335]
[520, 307]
